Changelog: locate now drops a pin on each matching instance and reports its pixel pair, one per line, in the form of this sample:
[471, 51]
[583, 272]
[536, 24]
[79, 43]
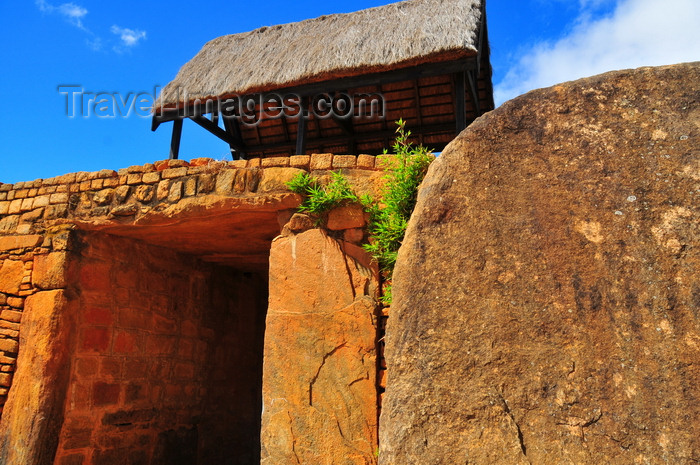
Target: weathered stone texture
[11, 274]
[546, 297]
[319, 394]
[50, 271]
[32, 416]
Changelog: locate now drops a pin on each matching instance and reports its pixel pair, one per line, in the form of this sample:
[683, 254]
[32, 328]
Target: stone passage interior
[167, 364]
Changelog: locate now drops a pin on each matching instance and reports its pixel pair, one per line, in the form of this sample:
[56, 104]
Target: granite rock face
[547, 294]
[319, 369]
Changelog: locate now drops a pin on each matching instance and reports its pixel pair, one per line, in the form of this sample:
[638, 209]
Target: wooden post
[175, 140]
[460, 104]
[301, 127]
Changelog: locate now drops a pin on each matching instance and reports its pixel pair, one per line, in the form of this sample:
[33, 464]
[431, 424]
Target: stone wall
[149, 286]
[167, 362]
[26, 207]
[17, 255]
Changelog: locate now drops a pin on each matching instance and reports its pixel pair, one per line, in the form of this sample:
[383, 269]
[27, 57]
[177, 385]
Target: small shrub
[390, 214]
[319, 199]
[389, 217]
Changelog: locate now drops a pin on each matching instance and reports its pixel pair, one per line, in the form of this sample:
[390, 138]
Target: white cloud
[73, 13]
[43, 6]
[637, 33]
[128, 37]
[70, 11]
[94, 44]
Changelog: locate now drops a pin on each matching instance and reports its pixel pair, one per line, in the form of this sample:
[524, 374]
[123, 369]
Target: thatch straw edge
[383, 38]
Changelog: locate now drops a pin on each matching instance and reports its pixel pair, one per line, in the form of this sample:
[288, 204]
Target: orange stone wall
[17, 261]
[120, 339]
[167, 361]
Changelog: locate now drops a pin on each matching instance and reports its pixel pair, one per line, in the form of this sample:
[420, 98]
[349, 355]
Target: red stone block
[79, 397]
[86, 366]
[135, 369]
[160, 369]
[160, 303]
[134, 318]
[95, 339]
[95, 276]
[125, 342]
[164, 325]
[96, 298]
[136, 392]
[77, 432]
[189, 328]
[111, 367]
[161, 345]
[105, 393]
[72, 459]
[126, 277]
[98, 316]
[156, 394]
[184, 370]
[185, 349]
[161, 165]
[121, 297]
[192, 391]
[174, 394]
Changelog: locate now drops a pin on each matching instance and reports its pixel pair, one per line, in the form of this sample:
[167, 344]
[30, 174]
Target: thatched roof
[384, 38]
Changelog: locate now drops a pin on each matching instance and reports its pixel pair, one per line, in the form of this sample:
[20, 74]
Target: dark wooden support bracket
[218, 132]
[460, 101]
[175, 139]
[301, 127]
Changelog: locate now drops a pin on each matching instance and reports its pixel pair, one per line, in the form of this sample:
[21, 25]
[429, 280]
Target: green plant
[389, 217]
[319, 199]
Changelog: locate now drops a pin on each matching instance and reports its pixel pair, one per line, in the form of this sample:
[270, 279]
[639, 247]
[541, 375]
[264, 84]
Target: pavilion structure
[338, 83]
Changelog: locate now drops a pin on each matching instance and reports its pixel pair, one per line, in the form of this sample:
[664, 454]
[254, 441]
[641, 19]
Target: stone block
[151, 178]
[61, 197]
[133, 178]
[11, 274]
[95, 340]
[270, 162]
[8, 243]
[366, 161]
[9, 345]
[344, 161]
[174, 173]
[224, 181]
[321, 161]
[163, 189]
[176, 190]
[144, 193]
[200, 161]
[121, 193]
[276, 179]
[15, 207]
[104, 394]
[11, 316]
[50, 270]
[300, 161]
[346, 217]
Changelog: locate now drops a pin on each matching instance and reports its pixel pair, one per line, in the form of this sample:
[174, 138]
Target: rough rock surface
[547, 294]
[30, 436]
[319, 394]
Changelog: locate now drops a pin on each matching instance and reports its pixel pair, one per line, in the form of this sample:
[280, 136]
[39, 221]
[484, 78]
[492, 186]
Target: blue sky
[129, 47]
